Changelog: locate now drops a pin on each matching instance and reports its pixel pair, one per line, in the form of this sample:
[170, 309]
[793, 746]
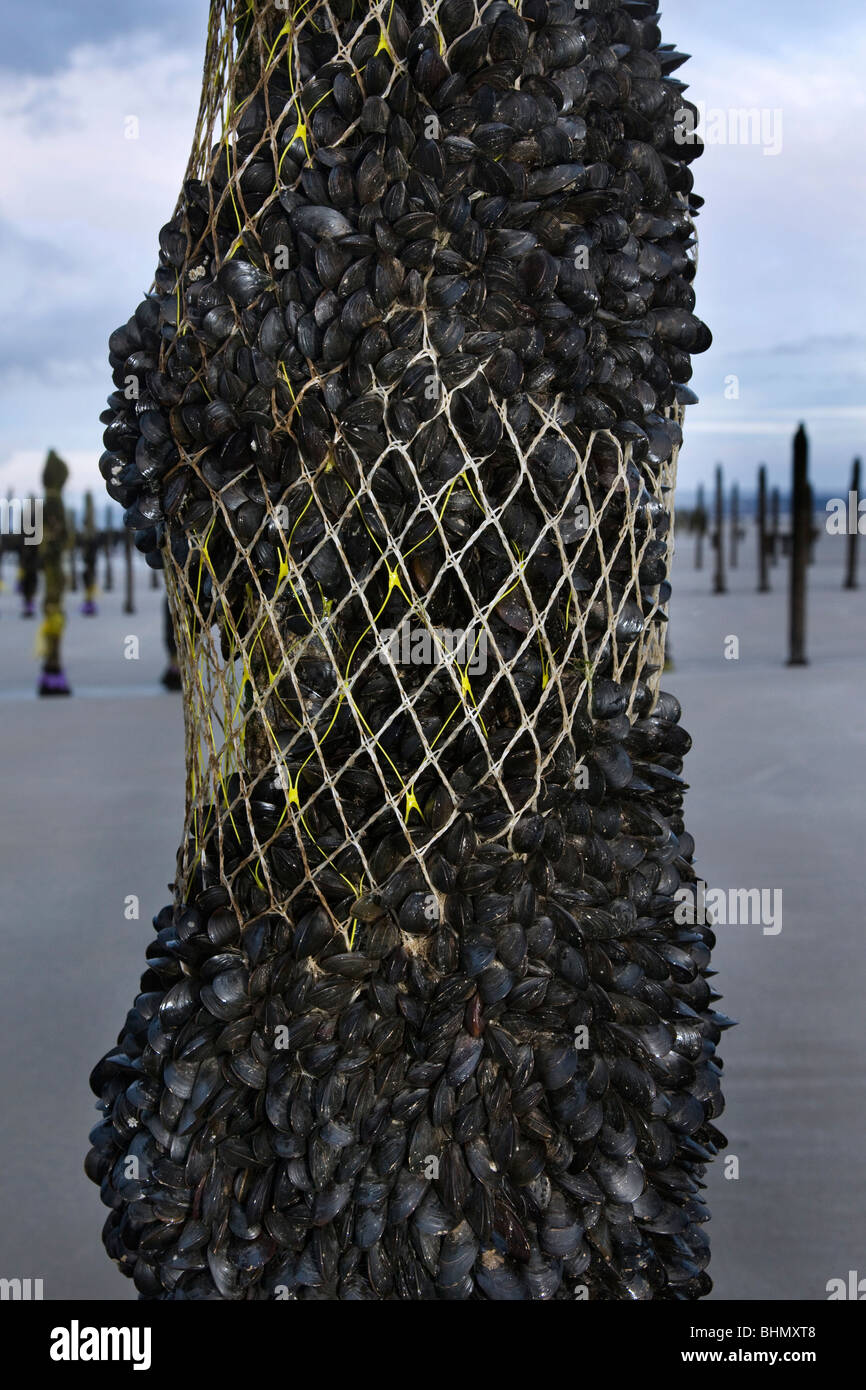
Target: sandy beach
[93, 805]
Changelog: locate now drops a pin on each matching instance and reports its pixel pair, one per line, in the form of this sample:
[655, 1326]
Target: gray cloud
[779, 284]
[60, 25]
[818, 342]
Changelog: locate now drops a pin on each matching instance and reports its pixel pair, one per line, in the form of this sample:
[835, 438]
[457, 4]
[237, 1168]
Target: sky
[780, 279]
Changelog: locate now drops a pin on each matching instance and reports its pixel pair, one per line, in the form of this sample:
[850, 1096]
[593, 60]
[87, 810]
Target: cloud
[44, 46]
[69, 176]
[81, 209]
[780, 238]
[783, 421]
[780, 257]
[22, 473]
[815, 343]
[747, 28]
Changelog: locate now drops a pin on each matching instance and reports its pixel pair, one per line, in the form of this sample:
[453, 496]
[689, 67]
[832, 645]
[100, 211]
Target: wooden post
[52, 678]
[4, 546]
[72, 532]
[773, 537]
[109, 546]
[171, 677]
[735, 526]
[129, 599]
[28, 559]
[853, 523]
[4, 541]
[763, 570]
[801, 525]
[701, 528]
[89, 555]
[719, 585]
[154, 579]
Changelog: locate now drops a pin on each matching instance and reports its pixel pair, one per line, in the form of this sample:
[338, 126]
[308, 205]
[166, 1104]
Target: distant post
[109, 546]
[775, 509]
[171, 677]
[719, 586]
[853, 533]
[4, 541]
[154, 579]
[801, 526]
[72, 533]
[28, 581]
[701, 529]
[735, 526]
[90, 552]
[52, 679]
[129, 598]
[763, 569]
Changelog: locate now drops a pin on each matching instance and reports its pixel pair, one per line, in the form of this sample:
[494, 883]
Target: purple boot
[54, 683]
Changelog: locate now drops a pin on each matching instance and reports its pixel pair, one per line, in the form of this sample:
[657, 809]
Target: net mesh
[521, 560]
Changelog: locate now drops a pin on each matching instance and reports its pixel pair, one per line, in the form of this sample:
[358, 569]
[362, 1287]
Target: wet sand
[92, 811]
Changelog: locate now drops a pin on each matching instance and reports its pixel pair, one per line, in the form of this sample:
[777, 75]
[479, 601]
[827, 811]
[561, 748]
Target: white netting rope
[238, 673]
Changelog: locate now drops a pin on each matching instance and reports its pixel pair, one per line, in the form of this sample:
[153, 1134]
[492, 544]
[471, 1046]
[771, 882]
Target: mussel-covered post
[90, 548]
[28, 571]
[52, 680]
[813, 532]
[801, 526]
[108, 541]
[72, 546]
[700, 528]
[735, 526]
[128, 573]
[429, 1017]
[171, 676]
[4, 538]
[853, 528]
[719, 581]
[763, 541]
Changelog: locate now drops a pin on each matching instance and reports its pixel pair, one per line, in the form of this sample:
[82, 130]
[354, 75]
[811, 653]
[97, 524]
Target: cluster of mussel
[430, 1026]
[511, 1097]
